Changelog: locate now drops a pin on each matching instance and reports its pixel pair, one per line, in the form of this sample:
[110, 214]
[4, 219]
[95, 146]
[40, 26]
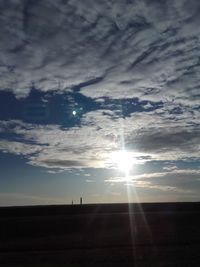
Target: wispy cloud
[177, 180]
[10, 199]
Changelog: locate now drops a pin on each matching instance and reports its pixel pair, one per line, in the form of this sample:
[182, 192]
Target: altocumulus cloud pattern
[128, 67]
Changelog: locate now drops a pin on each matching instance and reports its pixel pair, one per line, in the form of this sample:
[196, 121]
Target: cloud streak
[184, 181]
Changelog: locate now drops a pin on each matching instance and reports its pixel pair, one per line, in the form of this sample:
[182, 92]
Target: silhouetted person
[81, 201]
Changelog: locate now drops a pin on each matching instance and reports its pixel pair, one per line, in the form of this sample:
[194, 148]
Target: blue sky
[82, 81]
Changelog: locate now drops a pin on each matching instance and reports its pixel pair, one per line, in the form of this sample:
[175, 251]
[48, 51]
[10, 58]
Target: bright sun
[124, 160]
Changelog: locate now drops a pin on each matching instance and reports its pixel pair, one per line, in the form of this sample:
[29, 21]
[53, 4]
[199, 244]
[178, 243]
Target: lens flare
[124, 160]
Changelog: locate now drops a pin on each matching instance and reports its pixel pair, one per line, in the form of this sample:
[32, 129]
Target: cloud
[90, 181]
[19, 148]
[154, 135]
[149, 185]
[143, 49]
[178, 180]
[149, 136]
[87, 174]
[147, 50]
[39, 50]
[162, 141]
[18, 199]
[54, 147]
[170, 167]
[169, 173]
[134, 65]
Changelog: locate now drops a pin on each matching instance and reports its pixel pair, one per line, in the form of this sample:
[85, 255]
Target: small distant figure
[81, 201]
[72, 202]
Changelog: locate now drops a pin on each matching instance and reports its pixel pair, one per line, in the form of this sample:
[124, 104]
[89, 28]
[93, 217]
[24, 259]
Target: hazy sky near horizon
[81, 81]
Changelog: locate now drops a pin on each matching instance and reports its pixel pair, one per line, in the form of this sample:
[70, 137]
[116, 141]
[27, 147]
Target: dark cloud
[161, 140]
[55, 163]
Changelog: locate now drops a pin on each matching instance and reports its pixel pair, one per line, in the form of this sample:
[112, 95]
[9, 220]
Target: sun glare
[124, 160]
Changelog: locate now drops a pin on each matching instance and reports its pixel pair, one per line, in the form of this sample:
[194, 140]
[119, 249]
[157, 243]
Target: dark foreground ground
[166, 234]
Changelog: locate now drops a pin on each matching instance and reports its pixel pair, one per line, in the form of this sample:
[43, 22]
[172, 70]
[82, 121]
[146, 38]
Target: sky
[99, 99]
